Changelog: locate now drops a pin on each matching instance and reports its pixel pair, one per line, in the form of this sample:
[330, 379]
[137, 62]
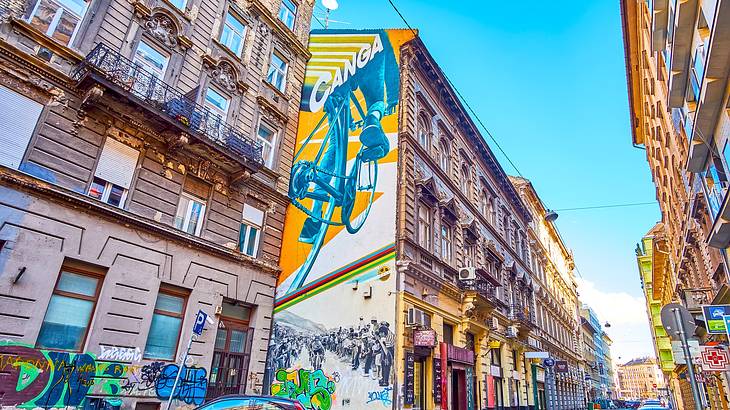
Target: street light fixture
[551, 216]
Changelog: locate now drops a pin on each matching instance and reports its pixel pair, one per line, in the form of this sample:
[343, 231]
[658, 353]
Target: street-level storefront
[458, 378]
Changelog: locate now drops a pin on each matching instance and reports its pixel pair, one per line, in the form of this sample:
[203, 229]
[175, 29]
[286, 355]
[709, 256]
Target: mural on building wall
[333, 341]
[36, 378]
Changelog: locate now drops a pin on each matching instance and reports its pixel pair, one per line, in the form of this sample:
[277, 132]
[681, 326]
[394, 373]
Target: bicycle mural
[339, 237]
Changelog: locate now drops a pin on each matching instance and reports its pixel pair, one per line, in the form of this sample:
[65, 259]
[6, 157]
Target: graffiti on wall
[31, 378]
[335, 310]
[313, 389]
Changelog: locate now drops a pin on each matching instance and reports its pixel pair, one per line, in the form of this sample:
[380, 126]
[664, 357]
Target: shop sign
[469, 388]
[561, 366]
[424, 338]
[715, 318]
[459, 354]
[437, 380]
[537, 355]
[409, 387]
[495, 371]
[444, 382]
[540, 375]
[714, 359]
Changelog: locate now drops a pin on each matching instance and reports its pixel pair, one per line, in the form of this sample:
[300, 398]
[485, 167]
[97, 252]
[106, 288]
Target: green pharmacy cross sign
[715, 318]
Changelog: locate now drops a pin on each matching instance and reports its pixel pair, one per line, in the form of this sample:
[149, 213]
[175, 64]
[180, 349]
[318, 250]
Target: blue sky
[548, 80]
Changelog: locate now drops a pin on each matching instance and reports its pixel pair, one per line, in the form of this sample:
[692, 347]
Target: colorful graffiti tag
[312, 389]
[32, 378]
[334, 310]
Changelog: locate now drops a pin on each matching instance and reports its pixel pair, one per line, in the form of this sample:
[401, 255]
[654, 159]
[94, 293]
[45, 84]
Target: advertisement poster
[333, 340]
[715, 318]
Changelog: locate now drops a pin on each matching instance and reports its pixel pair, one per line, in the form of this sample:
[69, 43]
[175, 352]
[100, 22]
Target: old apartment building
[677, 64]
[144, 160]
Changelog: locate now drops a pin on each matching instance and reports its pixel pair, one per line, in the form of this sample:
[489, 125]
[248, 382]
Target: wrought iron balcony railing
[483, 288]
[111, 69]
[521, 314]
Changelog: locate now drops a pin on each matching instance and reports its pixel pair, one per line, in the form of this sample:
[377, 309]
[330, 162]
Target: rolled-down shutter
[18, 116]
[117, 163]
[253, 215]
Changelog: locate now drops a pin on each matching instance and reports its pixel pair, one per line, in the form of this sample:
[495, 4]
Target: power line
[461, 97]
[605, 206]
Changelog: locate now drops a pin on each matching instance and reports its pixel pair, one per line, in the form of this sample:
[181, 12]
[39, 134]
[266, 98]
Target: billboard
[333, 335]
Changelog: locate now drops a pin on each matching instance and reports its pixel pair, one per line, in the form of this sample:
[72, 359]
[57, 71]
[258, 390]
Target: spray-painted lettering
[312, 388]
[382, 396]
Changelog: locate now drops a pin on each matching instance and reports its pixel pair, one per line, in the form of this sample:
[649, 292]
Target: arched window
[424, 132]
[444, 155]
[465, 180]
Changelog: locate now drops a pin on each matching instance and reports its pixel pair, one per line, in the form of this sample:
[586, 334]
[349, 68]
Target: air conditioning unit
[415, 317]
[467, 273]
[512, 331]
[494, 323]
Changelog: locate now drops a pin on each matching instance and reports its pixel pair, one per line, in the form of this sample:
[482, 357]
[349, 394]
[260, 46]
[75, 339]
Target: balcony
[179, 113]
[522, 315]
[659, 24]
[483, 288]
[684, 26]
[695, 298]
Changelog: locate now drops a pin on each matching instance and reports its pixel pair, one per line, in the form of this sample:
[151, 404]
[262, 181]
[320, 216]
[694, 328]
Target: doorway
[457, 398]
[232, 351]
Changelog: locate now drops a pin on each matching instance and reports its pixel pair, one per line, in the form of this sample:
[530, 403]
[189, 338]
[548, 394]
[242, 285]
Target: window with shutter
[114, 173]
[253, 221]
[18, 116]
[191, 208]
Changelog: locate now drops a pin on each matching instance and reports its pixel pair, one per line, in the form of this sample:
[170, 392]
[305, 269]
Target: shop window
[233, 34]
[166, 324]
[251, 226]
[114, 172]
[70, 309]
[58, 19]
[19, 116]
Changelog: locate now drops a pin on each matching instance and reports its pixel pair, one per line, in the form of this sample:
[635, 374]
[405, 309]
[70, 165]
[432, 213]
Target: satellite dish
[330, 4]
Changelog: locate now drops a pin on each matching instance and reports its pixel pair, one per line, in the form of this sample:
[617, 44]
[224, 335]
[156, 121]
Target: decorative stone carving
[163, 28]
[225, 75]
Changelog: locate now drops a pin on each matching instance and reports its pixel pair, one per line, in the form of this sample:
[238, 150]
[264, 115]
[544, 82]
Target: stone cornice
[29, 183]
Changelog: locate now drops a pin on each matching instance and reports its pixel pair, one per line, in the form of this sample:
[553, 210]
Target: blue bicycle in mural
[326, 182]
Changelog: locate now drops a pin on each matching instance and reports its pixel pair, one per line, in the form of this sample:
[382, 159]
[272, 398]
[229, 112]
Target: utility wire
[605, 206]
[461, 97]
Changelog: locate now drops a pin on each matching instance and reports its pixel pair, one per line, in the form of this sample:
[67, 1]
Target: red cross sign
[714, 358]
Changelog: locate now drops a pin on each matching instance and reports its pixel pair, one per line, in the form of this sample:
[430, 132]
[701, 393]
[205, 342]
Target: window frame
[56, 19]
[171, 291]
[144, 65]
[231, 14]
[188, 213]
[274, 138]
[293, 13]
[444, 155]
[106, 192]
[283, 73]
[423, 132]
[95, 300]
[446, 227]
[428, 226]
[214, 109]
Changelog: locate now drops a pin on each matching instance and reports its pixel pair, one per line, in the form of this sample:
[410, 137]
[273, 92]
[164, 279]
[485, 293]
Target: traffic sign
[549, 362]
[200, 322]
[671, 323]
[715, 318]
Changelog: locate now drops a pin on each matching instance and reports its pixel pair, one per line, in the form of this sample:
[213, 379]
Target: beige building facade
[639, 379]
[142, 161]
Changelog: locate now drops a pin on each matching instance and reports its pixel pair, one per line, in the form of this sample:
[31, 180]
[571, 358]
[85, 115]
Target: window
[470, 251]
[180, 4]
[446, 247]
[19, 116]
[191, 208]
[253, 221]
[288, 13]
[424, 226]
[231, 354]
[233, 34]
[444, 155]
[151, 60]
[166, 324]
[277, 72]
[470, 341]
[424, 133]
[72, 304]
[217, 103]
[267, 137]
[465, 181]
[58, 19]
[114, 172]
[448, 334]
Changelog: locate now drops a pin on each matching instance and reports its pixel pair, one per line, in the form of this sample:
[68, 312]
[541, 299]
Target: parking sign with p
[200, 322]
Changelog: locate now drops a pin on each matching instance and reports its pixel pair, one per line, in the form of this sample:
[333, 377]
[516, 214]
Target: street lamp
[551, 216]
[329, 5]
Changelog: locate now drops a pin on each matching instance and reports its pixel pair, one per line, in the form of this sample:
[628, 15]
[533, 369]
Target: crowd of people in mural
[368, 348]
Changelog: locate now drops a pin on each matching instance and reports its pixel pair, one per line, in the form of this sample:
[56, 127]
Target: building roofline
[628, 16]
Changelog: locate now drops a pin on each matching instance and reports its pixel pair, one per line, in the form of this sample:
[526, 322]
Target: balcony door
[232, 352]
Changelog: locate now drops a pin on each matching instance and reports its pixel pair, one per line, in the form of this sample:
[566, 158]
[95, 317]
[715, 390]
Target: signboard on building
[537, 355]
[714, 358]
[549, 362]
[437, 380]
[409, 391]
[678, 353]
[424, 338]
[459, 354]
[469, 388]
[715, 318]
[561, 366]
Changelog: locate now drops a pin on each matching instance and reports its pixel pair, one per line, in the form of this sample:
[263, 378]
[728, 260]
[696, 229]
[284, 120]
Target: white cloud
[627, 315]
